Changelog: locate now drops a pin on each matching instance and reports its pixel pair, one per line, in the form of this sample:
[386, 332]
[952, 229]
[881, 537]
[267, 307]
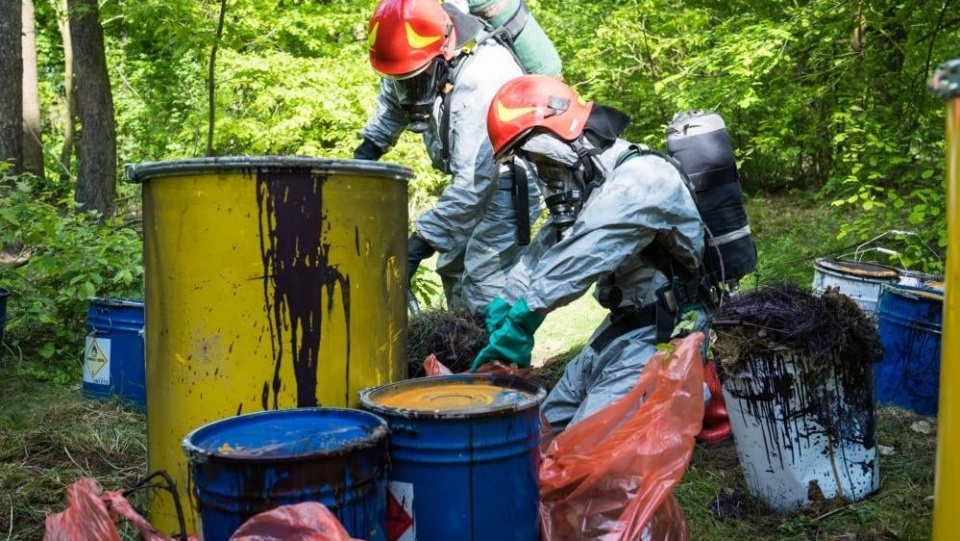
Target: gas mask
[418, 93]
[564, 190]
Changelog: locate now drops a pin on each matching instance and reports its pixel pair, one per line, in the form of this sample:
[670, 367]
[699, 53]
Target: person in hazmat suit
[439, 69]
[621, 217]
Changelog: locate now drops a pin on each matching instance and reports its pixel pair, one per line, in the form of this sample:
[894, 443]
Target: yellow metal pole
[946, 84]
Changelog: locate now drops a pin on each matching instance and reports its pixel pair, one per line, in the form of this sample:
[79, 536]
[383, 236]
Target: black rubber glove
[367, 151]
[417, 251]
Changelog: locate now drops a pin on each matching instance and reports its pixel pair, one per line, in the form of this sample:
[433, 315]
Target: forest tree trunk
[32, 128]
[11, 81]
[97, 144]
[69, 97]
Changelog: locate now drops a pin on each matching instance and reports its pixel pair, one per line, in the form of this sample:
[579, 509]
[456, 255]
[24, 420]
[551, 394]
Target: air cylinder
[700, 142]
[534, 49]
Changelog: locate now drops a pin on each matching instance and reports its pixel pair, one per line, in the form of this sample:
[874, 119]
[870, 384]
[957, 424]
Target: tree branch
[211, 94]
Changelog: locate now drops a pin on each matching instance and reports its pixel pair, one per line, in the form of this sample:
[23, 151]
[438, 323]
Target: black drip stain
[297, 273]
[805, 367]
[789, 394]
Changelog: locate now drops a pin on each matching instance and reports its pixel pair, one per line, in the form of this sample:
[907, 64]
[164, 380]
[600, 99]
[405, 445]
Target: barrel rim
[846, 266]
[196, 454]
[530, 386]
[115, 301]
[909, 291]
[141, 172]
[4, 292]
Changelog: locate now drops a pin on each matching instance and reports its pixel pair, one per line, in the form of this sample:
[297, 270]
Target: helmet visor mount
[418, 92]
[563, 188]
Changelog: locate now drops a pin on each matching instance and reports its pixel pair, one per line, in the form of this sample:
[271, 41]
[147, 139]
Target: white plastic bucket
[859, 280]
[796, 429]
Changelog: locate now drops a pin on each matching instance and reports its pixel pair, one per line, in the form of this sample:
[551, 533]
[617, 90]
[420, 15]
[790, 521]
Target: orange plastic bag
[433, 367]
[90, 516]
[308, 521]
[611, 476]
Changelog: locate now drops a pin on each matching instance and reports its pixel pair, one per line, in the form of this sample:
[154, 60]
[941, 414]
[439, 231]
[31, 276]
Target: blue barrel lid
[285, 435]
[454, 396]
[142, 172]
[929, 290]
[112, 301]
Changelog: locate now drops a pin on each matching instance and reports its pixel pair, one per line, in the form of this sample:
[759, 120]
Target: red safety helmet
[405, 35]
[534, 102]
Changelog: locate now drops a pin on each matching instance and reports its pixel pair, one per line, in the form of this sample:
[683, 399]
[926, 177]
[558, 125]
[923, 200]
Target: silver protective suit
[473, 226]
[638, 199]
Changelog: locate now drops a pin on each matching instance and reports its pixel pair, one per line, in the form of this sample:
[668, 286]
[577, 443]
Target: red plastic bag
[90, 516]
[308, 521]
[611, 476]
[716, 424]
[433, 367]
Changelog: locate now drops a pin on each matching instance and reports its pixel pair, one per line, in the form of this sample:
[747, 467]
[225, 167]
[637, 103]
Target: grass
[50, 435]
[901, 509]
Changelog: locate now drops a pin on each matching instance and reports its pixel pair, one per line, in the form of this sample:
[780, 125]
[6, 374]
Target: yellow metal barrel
[945, 84]
[270, 283]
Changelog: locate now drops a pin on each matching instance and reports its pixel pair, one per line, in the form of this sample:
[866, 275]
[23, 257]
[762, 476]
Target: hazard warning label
[96, 362]
[400, 524]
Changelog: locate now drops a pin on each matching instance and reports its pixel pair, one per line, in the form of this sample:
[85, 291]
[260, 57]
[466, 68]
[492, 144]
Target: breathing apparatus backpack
[699, 146]
[700, 143]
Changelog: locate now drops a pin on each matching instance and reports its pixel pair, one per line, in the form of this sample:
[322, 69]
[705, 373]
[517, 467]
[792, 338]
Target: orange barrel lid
[454, 396]
[859, 268]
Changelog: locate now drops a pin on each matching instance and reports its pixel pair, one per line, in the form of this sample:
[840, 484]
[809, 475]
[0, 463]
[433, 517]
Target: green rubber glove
[496, 313]
[512, 343]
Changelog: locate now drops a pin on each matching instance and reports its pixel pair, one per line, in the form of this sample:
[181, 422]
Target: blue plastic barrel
[909, 321]
[464, 457]
[113, 359]
[244, 465]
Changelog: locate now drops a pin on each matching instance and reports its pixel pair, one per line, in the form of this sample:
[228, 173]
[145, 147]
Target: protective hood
[551, 148]
[606, 123]
[467, 26]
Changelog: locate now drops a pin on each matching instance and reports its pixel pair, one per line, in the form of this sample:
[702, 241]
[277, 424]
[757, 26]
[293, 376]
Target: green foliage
[71, 257]
[791, 233]
[279, 104]
[821, 97]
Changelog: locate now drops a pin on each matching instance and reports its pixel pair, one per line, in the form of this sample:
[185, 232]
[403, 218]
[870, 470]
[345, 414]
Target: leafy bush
[67, 257]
